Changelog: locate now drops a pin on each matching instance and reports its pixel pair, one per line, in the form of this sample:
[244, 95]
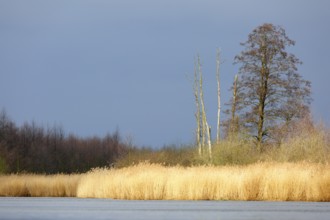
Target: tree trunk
[262, 96]
[219, 98]
[233, 126]
[198, 111]
[206, 136]
[209, 140]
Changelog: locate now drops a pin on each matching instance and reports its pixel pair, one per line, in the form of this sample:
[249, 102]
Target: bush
[237, 152]
[168, 156]
[306, 143]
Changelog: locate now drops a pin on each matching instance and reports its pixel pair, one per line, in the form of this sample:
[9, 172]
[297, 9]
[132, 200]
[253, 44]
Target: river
[78, 209]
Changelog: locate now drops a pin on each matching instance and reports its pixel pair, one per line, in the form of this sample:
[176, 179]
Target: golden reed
[59, 185]
[261, 181]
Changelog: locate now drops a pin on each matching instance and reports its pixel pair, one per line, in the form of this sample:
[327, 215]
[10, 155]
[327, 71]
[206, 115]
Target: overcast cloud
[93, 66]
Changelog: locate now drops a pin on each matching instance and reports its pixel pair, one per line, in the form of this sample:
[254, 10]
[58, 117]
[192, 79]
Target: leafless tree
[219, 95]
[203, 130]
[272, 91]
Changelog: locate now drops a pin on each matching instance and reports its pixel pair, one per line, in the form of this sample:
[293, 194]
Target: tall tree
[206, 130]
[219, 95]
[272, 91]
[234, 125]
[198, 109]
[203, 130]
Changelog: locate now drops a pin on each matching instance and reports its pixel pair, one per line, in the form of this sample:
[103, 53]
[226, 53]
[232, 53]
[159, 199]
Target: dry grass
[261, 181]
[312, 146]
[59, 185]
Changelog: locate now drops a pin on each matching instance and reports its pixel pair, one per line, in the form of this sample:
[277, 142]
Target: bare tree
[198, 109]
[219, 95]
[203, 130]
[205, 126]
[272, 89]
[233, 124]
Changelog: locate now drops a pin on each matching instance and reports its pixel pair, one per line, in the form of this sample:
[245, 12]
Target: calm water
[74, 208]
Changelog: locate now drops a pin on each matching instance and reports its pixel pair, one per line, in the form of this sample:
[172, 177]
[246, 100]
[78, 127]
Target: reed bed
[260, 181]
[59, 185]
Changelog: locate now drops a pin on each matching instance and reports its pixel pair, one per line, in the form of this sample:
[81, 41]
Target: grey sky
[92, 66]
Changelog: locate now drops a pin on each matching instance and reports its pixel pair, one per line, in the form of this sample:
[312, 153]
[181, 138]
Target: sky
[94, 66]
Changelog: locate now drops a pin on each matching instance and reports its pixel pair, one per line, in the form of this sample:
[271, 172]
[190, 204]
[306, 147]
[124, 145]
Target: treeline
[34, 149]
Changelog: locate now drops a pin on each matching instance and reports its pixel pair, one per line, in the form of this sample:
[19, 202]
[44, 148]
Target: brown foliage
[272, 91]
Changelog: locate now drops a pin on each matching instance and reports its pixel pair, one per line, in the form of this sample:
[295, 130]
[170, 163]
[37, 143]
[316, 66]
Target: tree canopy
[271, 91]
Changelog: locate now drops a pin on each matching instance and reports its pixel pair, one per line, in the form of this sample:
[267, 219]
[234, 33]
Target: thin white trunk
[219, 97]
[198, 111]
[201, 99]
[206, 136]
[208, 132]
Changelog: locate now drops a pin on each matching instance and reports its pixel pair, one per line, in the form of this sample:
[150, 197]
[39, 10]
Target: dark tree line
[32, 148]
